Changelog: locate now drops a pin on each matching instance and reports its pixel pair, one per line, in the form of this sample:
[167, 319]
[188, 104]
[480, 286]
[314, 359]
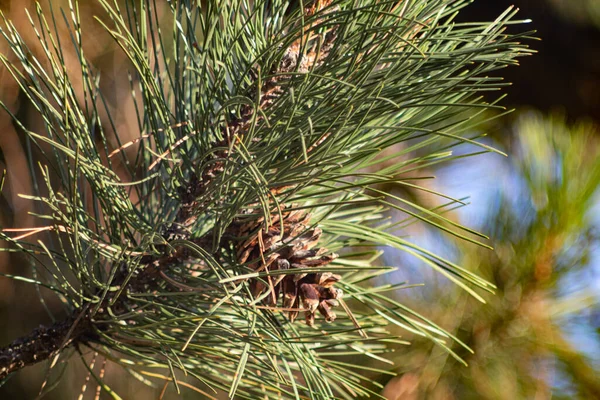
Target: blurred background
[539, 336]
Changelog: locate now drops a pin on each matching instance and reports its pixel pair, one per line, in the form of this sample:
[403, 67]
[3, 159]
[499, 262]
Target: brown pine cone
[293, 249]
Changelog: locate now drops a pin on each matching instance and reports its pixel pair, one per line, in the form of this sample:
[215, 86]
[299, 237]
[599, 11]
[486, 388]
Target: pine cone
[294, 248]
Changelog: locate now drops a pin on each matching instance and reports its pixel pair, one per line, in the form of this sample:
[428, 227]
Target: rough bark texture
[41, 344]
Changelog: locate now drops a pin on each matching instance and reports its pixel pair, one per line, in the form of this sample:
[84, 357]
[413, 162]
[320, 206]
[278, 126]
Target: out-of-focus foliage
[538, 336]
[581, 11]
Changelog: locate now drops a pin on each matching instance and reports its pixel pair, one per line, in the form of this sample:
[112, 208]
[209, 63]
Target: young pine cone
[294, 249]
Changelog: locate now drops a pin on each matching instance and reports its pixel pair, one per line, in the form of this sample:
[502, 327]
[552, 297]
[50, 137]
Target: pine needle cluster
[251, 192]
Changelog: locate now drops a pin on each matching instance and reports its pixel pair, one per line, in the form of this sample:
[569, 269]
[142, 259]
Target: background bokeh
[539, 336]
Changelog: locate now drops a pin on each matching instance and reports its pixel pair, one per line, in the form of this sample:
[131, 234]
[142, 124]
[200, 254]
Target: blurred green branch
[541, 225]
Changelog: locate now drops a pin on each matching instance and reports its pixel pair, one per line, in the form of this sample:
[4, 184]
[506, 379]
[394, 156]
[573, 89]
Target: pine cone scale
[293, 250]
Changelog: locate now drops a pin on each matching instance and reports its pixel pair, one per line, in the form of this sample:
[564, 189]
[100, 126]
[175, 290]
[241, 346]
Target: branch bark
[42, 344]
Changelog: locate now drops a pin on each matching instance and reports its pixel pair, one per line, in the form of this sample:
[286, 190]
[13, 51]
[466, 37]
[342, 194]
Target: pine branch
[252, 156]
[44, 343]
